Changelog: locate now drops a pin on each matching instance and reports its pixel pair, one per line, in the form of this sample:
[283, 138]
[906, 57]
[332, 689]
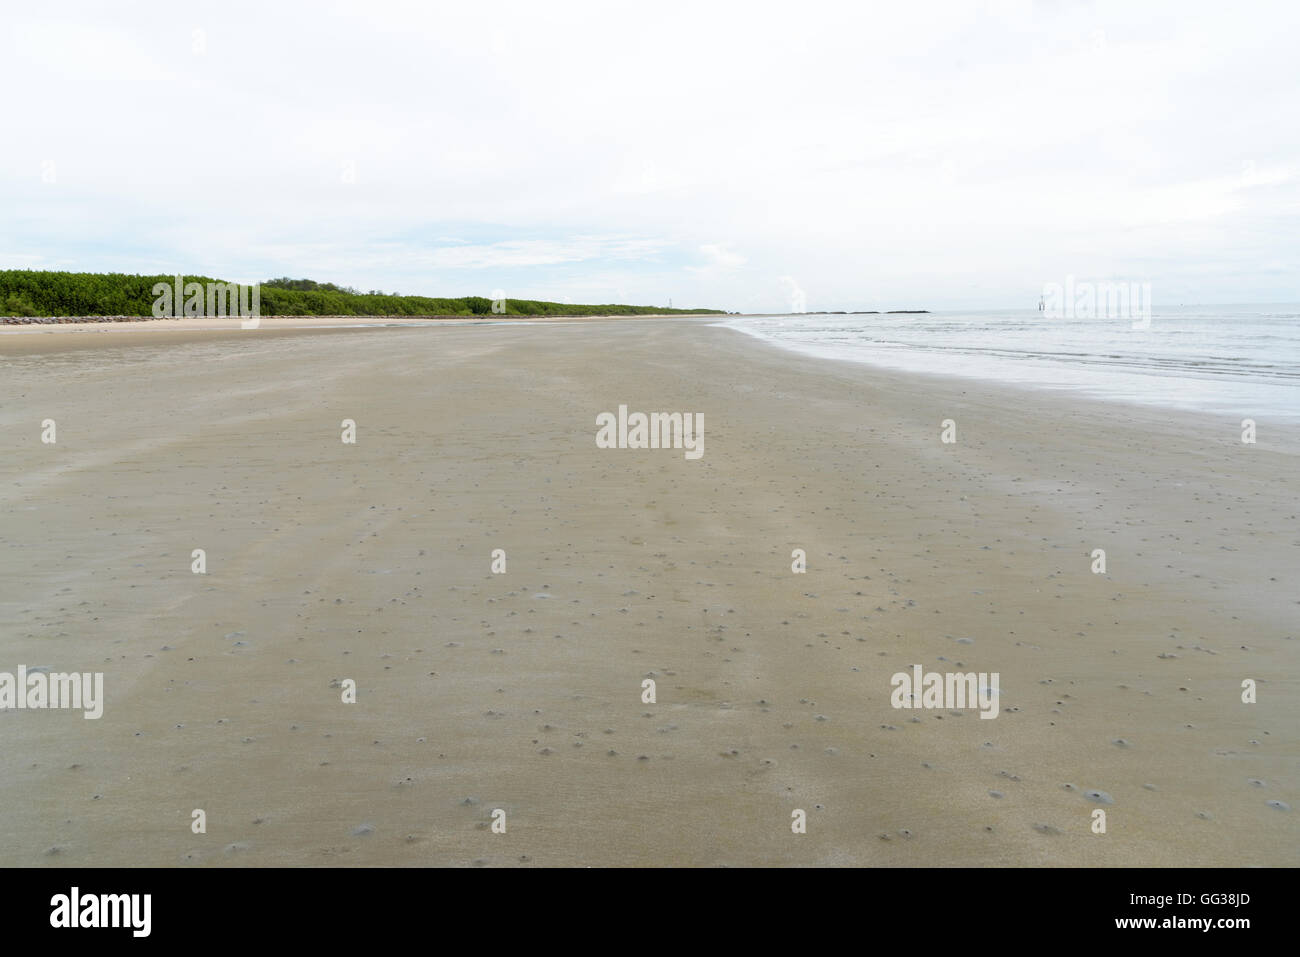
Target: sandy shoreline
[65, 336]
[522, 691]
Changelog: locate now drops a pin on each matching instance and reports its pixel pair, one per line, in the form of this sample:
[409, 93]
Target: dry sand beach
[522, 691]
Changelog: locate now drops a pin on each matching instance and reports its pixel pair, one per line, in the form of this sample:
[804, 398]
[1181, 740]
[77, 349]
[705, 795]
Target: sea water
[1234, 359]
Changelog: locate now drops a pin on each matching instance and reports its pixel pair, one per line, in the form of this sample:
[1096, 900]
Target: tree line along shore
[29, 295]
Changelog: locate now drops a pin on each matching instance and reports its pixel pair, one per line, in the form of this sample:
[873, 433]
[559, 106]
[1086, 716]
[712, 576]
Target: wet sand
[523, 691]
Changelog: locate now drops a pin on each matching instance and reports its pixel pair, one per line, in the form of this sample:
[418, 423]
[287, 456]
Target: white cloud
[539, 253]
[717, 258]
[905, 156]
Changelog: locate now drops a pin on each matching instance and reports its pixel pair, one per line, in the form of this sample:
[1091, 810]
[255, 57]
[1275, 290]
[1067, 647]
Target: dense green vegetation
[33, 293]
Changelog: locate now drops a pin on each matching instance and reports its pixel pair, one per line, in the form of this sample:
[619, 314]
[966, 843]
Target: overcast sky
[900, 155]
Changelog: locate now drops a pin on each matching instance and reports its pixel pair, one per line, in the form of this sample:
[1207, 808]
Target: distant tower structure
[1041, 305]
